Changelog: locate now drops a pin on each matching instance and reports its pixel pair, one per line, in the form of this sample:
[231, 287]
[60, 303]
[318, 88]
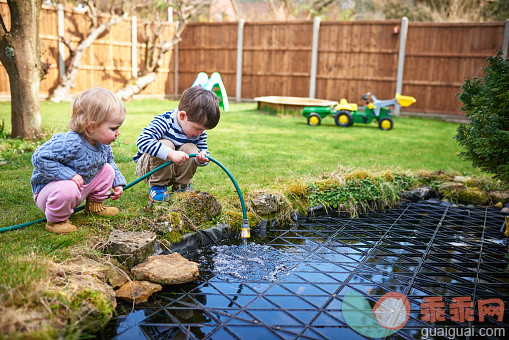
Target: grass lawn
[262, 151]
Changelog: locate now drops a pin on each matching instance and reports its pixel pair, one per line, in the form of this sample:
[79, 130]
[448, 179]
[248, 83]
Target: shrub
[485, 138]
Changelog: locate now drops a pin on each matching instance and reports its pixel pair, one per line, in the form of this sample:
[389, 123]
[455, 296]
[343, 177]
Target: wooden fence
[352, 58]
[107, 63]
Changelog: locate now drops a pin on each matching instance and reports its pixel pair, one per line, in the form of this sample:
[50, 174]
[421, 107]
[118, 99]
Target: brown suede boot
[64, 227]
[98, 208]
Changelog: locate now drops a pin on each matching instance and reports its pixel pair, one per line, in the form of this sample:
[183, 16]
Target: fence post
[61, 46]
[506, 39]
[176, 61]
[314, 58]
[134, 47]
[240, 44]
[401, 60]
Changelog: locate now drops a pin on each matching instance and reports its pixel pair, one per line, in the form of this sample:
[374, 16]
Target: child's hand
[178, 157]
[117, 192]
[78, 180]
[202, 157]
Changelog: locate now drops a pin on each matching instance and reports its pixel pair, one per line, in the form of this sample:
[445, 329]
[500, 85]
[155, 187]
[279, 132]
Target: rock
[476, 182]
[473, 196]
[500, 196]
[92, 301]
[265, 203]
[461, 179]
[82, 266]
[132, 247]
[505, 210]
[418, 194]
[116, 277]
[169, 222]
[20, 320]
[137, 291]
[166, 269]
[201, 206]
[449, 187]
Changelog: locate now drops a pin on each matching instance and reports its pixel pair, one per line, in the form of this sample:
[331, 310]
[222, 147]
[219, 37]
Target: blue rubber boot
[159, 193]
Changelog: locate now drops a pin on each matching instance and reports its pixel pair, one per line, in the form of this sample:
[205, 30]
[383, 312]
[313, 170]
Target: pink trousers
[58, 199]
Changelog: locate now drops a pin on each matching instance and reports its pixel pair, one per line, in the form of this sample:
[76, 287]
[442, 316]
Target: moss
[174, 218]
[477, 183]
[234, 219]
[387, 176]
[297, 188]
[99, 301]
[474, 196]
[175, 236]
[358, 175]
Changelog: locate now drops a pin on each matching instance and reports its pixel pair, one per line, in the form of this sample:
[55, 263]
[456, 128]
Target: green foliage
[359, 194]
[485, 138]
[3, 134]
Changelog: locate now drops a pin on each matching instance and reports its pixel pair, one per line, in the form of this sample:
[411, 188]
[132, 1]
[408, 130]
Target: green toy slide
[215, 83]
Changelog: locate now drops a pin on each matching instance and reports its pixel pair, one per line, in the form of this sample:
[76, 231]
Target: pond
[326, 276]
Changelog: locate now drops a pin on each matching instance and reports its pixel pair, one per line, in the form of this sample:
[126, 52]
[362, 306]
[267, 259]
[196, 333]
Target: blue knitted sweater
[68, 154]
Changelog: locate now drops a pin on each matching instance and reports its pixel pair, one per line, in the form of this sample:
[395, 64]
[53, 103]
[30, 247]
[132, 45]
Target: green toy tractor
[346, 114]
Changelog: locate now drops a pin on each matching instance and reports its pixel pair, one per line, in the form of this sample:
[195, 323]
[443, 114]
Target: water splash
[250, 262]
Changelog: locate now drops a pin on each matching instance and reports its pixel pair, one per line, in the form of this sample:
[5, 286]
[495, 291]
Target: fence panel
[356, 57]
[208, 47]
[440, 57]
[277, 59]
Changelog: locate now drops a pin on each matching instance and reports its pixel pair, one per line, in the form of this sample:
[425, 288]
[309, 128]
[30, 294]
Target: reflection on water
[252, 262]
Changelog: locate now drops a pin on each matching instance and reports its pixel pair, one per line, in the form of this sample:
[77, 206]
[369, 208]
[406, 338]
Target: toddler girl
[78, 164]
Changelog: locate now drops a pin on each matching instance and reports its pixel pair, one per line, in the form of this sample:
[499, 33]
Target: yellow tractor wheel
[343, 118]
[314, 119]
[385, 123]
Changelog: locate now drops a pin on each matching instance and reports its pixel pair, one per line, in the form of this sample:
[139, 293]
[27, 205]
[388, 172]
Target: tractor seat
[344, 105]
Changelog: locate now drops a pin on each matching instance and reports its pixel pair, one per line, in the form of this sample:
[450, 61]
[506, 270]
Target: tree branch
[3, 28]
[69, 45]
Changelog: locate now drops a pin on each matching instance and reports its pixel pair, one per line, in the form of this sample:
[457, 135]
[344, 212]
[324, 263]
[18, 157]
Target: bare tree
[97, 26]
[20, 51]
[157, 45]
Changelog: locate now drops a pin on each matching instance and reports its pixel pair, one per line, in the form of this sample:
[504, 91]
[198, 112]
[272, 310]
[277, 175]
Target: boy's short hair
[94, 105]
[201, 106]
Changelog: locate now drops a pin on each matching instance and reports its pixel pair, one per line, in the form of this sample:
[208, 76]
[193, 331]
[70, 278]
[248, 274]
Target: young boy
[172, 136]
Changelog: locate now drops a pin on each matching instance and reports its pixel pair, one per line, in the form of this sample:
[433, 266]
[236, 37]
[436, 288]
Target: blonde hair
[95, 106]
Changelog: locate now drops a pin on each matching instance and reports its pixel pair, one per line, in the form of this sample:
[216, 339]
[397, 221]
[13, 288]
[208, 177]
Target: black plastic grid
[421, 249]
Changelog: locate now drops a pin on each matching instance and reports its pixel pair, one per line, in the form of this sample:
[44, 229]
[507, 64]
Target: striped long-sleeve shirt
[165, 126]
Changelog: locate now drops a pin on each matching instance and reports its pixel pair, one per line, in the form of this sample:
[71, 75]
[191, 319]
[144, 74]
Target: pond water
[302, 280]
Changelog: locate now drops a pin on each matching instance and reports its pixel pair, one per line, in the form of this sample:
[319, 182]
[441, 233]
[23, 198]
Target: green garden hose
[245, 221]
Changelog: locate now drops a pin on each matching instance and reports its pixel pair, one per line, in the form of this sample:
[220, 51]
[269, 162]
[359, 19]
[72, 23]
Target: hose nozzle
[244, 233]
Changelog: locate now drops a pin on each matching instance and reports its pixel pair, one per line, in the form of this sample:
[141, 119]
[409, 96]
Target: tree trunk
[23, 65]
[135, 85]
